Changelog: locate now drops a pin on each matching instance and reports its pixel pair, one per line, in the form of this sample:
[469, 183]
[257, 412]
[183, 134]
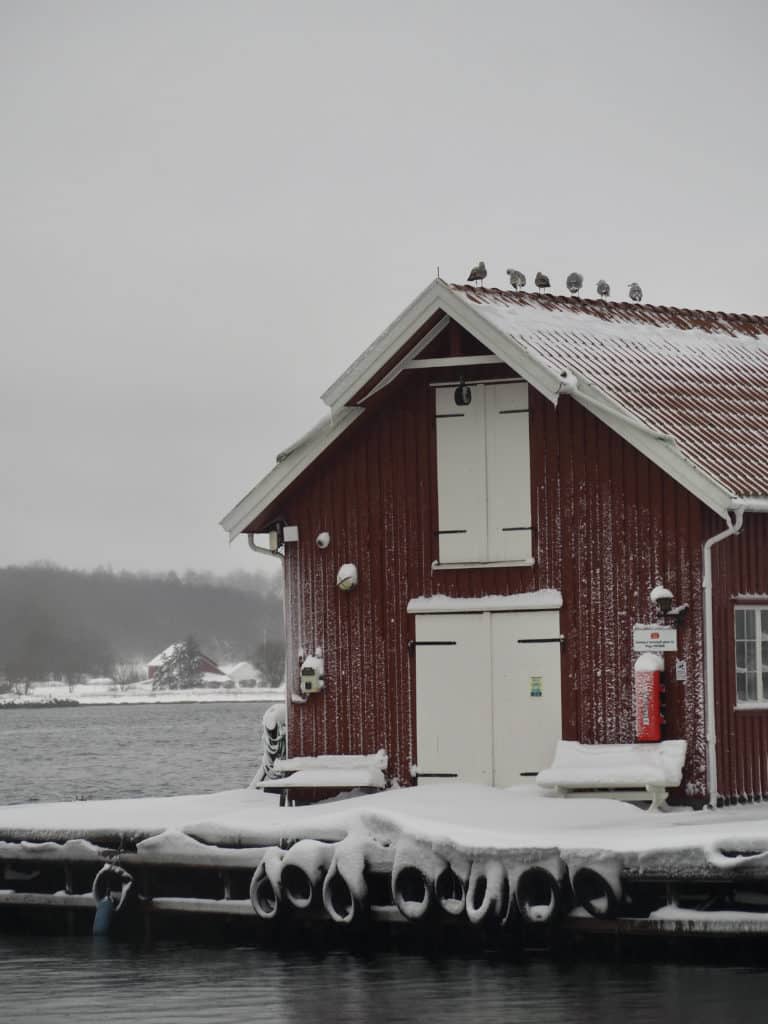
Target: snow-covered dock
[515, 861]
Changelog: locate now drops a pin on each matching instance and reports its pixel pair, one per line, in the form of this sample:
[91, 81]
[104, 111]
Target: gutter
[734, 526]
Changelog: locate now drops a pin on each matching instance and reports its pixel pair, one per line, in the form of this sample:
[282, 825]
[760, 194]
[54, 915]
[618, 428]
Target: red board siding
[739, 567]
[608, 525]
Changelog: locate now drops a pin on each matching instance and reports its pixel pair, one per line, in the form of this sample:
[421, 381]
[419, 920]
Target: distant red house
[511, 475]
[211, 671]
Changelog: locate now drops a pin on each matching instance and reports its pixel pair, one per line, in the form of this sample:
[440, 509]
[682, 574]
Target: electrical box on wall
[312, 675]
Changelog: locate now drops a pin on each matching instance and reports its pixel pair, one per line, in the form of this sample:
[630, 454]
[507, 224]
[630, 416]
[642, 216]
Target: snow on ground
[105, 691]
[445, 820]
[147, 816]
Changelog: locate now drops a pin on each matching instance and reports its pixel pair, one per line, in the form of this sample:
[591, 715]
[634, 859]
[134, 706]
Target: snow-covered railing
[625, 771]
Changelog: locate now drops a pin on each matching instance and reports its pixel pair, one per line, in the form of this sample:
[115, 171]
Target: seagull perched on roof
[574, 283]
[541, 281]
[603, 289]
[478, 273]
[516, 279]
[635, 292]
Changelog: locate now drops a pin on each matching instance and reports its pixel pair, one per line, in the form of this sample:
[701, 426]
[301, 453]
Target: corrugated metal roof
[701, 377]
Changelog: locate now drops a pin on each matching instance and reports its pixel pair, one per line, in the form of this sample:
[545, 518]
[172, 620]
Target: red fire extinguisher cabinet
[649, 669]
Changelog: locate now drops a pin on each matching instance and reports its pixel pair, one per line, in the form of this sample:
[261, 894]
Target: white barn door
[488, 703]
[453, 698]
[527, 709]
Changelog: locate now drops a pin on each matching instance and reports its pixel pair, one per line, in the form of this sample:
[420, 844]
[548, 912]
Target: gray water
[88, 753]
[159, 750]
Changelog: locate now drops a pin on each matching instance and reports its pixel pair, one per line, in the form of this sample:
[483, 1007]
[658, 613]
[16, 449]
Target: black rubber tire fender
[413, 892]
[265, 899]
[341, 904]
[593, 892]
[110, 879]
[538, 896]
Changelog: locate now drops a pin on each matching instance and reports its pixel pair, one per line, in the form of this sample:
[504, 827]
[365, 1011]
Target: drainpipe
[262, 551]
[733, 527]
[296, 698]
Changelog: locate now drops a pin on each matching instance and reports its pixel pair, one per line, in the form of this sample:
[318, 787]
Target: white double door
[488, 703]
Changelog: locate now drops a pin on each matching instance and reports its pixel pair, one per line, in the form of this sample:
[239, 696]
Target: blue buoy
[105, 911]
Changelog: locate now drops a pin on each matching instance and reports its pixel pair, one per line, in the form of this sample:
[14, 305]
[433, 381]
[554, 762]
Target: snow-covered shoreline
[52, 695]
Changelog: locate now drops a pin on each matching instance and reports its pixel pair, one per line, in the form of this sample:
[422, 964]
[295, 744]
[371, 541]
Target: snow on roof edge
[283, 473]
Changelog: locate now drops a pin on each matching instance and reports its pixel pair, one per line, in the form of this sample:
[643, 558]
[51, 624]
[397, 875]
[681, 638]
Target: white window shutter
[461, 483]
[509, 472]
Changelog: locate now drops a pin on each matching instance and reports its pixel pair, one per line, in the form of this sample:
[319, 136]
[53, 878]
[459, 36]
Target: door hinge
[430, 643]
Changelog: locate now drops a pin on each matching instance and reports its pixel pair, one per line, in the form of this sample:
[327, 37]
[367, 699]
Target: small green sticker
[536, 686]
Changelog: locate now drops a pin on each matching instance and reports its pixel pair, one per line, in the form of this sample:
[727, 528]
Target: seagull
[603, 289]
[574, 283]
[516, 279]
[478, 273]
[635, 292]
[541, 281]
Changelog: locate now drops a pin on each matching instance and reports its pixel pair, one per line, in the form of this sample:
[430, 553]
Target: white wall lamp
[346, 577]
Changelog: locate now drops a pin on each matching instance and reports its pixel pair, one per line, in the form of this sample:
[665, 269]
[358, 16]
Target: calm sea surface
[160, 750]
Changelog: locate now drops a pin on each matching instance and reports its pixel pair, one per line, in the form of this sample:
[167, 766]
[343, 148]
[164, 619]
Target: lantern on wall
[346, 577]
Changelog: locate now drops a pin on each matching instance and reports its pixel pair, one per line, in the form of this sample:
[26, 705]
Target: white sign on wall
[654, 638]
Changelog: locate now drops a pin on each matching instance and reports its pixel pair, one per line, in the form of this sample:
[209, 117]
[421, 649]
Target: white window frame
[759, 643]
[488, 549]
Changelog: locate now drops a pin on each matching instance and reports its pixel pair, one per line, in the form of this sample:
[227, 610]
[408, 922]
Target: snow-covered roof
[240, 671]
[212, 672]
[163, 656]
[697, 376]
[684, 387]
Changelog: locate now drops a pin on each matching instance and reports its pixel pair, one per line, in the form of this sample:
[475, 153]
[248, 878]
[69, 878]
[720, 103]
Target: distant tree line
[68, 623]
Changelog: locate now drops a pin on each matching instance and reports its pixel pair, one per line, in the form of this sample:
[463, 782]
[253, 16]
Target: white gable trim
[438, 296]
[293, 462]
[550, 381]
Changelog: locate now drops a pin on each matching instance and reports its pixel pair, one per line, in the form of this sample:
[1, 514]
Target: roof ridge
[748, 322]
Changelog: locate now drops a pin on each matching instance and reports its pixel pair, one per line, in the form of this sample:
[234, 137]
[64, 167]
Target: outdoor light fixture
[463, 394]
[662, 597]
[323, 539]
[346, 577]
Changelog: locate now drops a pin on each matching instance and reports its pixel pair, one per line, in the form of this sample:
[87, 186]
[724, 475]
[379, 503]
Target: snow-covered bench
[326, 775]
[625, 771]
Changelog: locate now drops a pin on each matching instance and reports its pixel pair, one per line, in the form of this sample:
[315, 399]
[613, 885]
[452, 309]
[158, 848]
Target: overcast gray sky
[209, 208]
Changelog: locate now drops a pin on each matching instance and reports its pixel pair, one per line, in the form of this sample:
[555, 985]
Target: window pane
[751, 685]
[765, 684]
[764, 654]
[751, 652]
[741, 654]
[749, 623]
[764, 617]
[741, 686]
[740, 623]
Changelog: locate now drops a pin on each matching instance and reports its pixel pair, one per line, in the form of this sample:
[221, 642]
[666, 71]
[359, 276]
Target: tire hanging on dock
[538, 896]
[302, 872]
[488, 892]
[598, 889]
[414, 871]
[345, 889]
[451, 890]
[265, 889]
[114, 883]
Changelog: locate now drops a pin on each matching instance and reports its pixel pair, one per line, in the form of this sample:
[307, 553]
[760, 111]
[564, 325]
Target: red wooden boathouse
[511, 474]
